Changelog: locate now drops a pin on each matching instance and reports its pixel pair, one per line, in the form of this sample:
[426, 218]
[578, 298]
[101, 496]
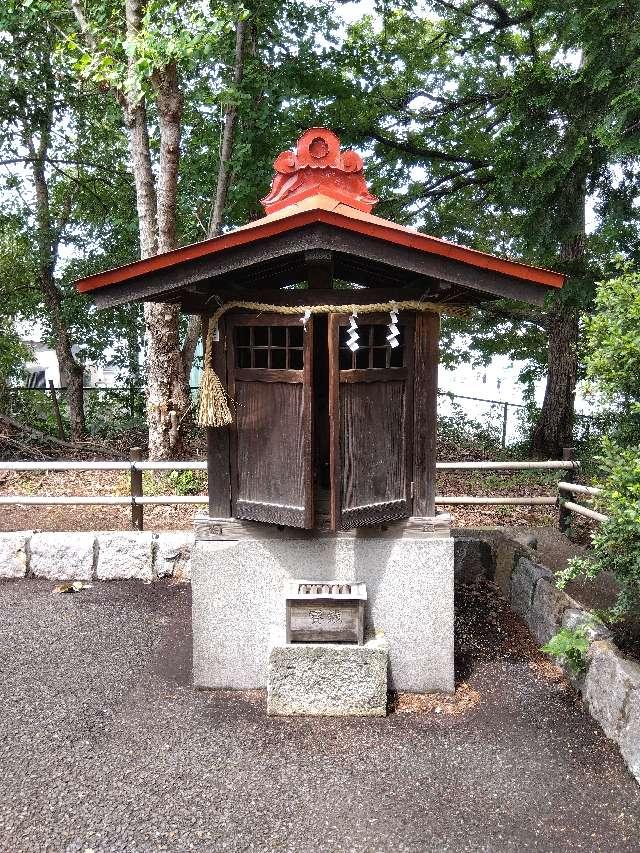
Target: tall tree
[504, 109]
[162, 62]
[139, 50]
[48, 168]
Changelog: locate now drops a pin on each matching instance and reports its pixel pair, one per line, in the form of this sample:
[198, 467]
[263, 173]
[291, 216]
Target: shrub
[570, 647]
[188, 482]
[616, 543]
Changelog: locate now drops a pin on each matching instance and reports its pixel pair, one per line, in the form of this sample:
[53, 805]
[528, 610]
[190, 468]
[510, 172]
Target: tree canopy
[509, 126]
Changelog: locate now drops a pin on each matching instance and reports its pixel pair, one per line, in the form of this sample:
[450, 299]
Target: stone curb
[106, 555]
[610, 685]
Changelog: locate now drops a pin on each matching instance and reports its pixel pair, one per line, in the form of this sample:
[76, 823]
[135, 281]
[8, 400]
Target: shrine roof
[319, 184]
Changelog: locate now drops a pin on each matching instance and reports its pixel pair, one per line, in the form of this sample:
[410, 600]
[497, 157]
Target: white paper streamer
[394, 331]
[352, 331]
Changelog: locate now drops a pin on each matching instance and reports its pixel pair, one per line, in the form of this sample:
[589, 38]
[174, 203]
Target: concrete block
[122, 556]
[545, 615]
[173, 554]
[629, 736]
[238, 595]
[608, 682]
[523, 582]
[574, 617]
[328, 679]
[13, 553]
[62, 556]
[473, 559]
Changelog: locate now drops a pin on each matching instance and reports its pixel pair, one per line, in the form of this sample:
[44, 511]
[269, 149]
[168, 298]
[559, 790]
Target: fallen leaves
[71, 586]
[461, 702]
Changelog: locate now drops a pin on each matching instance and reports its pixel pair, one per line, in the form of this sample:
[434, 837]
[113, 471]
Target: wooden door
[371, 422]
[270, 371]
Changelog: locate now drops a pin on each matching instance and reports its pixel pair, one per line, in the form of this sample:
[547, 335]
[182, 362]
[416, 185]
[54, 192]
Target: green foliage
[460, 435]
[615, 544]
[181, 34]
[488, 125]
[570, 647]
[187, 482]
[613, 339]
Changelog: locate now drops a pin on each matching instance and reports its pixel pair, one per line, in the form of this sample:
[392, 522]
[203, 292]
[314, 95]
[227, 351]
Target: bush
[570, 647]
[188, 482]
[616, 543]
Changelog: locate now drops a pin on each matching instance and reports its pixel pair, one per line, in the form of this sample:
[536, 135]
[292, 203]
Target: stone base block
[238, 590]
[327, 679]
[122, 556]
[63, 556]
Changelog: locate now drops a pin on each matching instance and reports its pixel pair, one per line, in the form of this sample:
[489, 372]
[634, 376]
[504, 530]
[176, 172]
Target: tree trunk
[554, 429]
[166, 405]
[228, 130]
[194, 328]
[168, 401]
[169, 101]
[48, 237]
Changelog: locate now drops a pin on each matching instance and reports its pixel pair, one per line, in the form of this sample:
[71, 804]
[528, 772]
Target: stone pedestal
[239, 597]
[327, 679]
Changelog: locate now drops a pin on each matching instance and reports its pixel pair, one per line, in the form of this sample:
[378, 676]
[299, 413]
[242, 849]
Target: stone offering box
[322, 612]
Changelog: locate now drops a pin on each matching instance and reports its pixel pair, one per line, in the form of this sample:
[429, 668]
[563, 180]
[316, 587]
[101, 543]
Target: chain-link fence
[109, 410]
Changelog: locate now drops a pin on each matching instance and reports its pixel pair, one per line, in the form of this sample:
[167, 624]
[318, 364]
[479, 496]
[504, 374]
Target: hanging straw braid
[214, 407]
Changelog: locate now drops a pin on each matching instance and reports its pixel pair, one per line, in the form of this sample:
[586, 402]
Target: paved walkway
[105, 746]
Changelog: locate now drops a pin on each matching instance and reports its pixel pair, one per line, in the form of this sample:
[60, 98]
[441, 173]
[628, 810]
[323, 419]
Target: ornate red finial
[318, 166]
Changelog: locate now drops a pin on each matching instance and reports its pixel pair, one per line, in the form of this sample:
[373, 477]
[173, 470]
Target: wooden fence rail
[136, 500]
[579, 509]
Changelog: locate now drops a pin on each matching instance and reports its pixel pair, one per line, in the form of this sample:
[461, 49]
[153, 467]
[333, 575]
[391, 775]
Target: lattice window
[270, 347]
[373, 350]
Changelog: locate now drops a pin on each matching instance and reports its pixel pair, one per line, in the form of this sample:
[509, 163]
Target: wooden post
[505, 415]
[137, 510]
[564, 515]
[427, 336]
[218, 462]
[56, 410]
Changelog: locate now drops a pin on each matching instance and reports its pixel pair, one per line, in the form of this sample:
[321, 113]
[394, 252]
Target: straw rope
[214, 407]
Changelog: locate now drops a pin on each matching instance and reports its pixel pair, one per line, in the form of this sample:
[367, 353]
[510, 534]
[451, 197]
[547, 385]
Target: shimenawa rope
[214, 409]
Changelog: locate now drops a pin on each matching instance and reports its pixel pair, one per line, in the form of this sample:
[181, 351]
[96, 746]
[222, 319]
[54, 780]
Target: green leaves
[615, 544]
[613, 338]
[110, 52]
[570, 647]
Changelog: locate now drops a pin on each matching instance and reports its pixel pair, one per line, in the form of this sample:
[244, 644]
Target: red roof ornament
[318, 167]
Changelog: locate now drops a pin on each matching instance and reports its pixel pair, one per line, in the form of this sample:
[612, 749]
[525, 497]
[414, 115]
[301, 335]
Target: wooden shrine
[324, 433]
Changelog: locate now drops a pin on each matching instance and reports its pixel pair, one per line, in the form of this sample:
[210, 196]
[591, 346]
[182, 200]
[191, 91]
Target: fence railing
[131, 398]
[567, 507]
[136, 500]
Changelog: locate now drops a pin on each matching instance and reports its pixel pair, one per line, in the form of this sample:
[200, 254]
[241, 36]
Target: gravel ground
[106, 746]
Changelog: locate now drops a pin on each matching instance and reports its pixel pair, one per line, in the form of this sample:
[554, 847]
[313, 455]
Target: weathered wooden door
[371, 422]
[269, 369]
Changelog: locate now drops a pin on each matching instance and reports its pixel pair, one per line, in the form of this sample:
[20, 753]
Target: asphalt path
[106, 746]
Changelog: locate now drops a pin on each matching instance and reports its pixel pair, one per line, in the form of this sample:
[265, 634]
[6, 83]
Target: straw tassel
[214, 408]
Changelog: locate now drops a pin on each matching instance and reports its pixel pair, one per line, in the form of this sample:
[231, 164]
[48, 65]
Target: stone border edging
[610, 684]
[108, 555]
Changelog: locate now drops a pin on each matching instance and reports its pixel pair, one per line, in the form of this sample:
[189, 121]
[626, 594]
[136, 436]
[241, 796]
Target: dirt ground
[106, 746]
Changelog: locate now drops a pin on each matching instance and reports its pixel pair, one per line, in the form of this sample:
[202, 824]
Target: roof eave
[372, 227]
